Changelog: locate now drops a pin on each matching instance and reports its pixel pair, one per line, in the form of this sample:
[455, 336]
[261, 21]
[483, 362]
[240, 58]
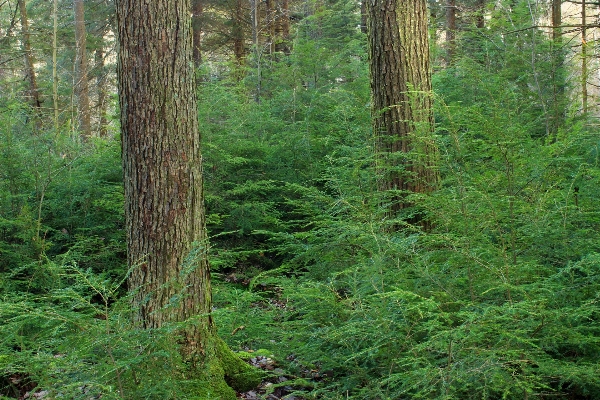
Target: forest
[299, 199]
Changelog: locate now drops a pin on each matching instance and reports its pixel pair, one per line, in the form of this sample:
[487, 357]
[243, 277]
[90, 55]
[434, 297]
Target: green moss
[244, 355]
[223, 373]
[238, 374]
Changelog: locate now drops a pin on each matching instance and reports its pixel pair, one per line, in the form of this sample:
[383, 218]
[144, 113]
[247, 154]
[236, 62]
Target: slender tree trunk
[54, 64]
[556, 20]
[254, 15]
[283, 27]
[166, 235]
[584, 58]
[450, 30]
[558, 60]
[401, 100]
[34, 94]
[480, 21]
[101, 89]
[239, 48]
[363, 16]
[81, 72]
[197, 15]
[270, 24]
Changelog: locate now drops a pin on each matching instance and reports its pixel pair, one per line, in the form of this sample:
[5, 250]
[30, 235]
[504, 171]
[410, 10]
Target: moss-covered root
[238, 374]
[223, 373]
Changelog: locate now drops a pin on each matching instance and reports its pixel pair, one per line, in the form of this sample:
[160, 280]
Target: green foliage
[498, 300]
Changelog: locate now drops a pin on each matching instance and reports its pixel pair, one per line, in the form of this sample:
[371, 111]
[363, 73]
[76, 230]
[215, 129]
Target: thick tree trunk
[81, 72]
[34, 94]
[166, 235]
[401, 99]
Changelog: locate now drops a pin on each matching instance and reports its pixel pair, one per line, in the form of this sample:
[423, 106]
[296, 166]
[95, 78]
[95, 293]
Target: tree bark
[166, 235]
[81, 72]
[33, 93]
[401, 100]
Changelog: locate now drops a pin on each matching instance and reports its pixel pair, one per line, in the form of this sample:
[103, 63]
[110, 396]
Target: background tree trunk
[556, 20]
[54, 63]
[401, 98]
[197, 15]
[166, 235]
[282, 27]
[559, 80]
[81, 71]
[584, 60]
[237, 31]
[450, 30]
[101, 89]
[480, 21]
[34, 94]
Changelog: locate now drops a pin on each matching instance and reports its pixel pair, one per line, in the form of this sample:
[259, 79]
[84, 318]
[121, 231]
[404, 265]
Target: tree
[584, 58]
[164, 211]
[34, 94]
[401, 99]
[450, 30]
[197, 12]
[557, 71]
[81, 69]
[480, 15]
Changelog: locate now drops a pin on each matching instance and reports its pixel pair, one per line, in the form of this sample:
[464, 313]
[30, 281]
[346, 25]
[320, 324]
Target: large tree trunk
[166, 235]
[81, 72]
[34, 94]
[401, 100]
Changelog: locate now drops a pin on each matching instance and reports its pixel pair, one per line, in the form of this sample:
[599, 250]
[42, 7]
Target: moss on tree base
[223, 373]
